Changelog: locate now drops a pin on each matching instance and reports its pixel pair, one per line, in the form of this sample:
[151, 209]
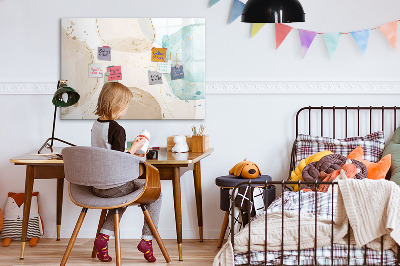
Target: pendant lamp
[273, 11]
[64, 96]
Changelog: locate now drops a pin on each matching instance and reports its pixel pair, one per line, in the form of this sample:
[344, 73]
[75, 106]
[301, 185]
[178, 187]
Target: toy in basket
[12, 224]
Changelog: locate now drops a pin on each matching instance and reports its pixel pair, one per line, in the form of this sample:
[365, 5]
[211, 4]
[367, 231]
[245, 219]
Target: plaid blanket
[323, 205]
[340, 253]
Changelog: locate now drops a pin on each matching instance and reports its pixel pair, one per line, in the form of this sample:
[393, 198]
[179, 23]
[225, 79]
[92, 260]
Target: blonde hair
[113, 98]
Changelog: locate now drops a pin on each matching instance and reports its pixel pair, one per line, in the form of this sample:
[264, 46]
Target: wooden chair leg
[101, 222]
[117, 238]
[223, 229]
[73, 237]
[154, 230]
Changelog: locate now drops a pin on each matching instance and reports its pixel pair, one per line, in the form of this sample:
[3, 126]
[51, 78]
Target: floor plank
[50, 252]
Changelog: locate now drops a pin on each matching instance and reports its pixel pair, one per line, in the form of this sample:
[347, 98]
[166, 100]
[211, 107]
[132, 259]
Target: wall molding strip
[251, 87]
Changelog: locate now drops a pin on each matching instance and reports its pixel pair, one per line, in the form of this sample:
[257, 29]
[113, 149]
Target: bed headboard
[348, 113]
[344, 121]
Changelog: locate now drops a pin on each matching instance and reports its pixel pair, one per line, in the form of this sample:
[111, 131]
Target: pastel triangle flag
[237, 9]
[332, 41]
[281, 31]
[256, 27]
[306, 39]
[389, 30]
[361, 37]
[213, 2]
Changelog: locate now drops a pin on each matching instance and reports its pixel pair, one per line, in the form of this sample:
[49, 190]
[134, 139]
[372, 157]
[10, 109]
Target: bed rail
[265, 185]
[336, 122]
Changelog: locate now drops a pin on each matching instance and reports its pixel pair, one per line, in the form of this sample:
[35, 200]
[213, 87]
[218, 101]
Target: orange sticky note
[158, 54]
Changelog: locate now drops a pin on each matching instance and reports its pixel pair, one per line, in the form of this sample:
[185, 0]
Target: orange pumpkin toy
[245, 169]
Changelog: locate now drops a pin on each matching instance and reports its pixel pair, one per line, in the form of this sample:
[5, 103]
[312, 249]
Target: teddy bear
[245, 169]
[180, 144]
[13, 215]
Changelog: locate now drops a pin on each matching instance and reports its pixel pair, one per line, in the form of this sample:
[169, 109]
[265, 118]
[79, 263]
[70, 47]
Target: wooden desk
[168, 164]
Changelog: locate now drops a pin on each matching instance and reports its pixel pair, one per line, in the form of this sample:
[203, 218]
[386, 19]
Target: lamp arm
[54, 126]
[54, 118]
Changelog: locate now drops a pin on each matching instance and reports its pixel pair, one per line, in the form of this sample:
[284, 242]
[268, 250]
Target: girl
[107, 133]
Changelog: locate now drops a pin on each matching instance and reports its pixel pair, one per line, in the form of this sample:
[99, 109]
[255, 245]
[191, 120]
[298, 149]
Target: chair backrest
[92, 166]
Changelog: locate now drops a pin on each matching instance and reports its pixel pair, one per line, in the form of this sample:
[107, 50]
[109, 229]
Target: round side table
[226, 183]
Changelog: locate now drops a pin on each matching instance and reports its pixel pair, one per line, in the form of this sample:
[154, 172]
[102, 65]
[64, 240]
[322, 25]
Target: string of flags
[361, 37]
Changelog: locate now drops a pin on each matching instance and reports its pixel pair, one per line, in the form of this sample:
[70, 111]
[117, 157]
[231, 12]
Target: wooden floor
[50, 252]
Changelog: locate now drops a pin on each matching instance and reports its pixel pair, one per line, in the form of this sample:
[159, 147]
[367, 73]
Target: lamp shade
[273, 11]
[65, 96]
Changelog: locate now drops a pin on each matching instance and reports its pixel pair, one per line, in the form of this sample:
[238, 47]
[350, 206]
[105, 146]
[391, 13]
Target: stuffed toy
[245, 169]
[180, 144]
[13, 215]
[296, 174]
[375, 170]
[328, 164]
[348, 170]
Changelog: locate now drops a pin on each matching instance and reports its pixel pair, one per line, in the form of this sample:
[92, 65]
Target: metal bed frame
[284, 183]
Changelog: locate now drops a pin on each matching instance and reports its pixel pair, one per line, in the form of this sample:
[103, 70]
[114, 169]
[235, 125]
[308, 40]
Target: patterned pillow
[372, 144]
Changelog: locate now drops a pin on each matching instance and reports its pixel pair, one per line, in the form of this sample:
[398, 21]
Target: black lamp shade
[73, 96]
[273, 11]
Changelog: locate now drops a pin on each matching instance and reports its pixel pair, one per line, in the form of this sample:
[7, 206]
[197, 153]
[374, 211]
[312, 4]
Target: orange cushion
[375, 170]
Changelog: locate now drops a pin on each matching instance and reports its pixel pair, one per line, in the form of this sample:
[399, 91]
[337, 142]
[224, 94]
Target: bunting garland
[281, 31]
[332, 41]
[389, 30]
[213, 2]
[306, 39]
[237, 9]
[361, 37]
[256, 27]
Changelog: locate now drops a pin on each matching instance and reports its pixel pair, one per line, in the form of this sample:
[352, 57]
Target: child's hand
[143, 155]
[137, 144]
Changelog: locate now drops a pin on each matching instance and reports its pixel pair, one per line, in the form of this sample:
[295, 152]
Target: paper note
[158, 54]
[177, 72]
[115, 73]
[155, 77]
[164, 67]
[95, 70]
[104, 53]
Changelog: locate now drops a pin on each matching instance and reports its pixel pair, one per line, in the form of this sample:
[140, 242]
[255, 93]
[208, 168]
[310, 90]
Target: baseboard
[248, 87]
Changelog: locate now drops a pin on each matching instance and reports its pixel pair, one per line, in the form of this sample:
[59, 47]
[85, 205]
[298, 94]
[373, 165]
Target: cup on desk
[152, 155]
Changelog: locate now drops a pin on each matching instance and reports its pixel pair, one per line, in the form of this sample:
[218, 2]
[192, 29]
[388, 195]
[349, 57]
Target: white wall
[259, 127]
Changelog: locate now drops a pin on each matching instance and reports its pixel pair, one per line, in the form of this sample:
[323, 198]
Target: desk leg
[60, 190]
[199, 204]
[176, 182]
[27, 206]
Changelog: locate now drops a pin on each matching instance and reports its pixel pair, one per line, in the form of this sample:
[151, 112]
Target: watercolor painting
[161, 60]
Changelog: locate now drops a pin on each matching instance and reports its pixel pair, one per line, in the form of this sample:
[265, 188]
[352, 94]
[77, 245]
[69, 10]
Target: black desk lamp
[64, 96]
[273, 11]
